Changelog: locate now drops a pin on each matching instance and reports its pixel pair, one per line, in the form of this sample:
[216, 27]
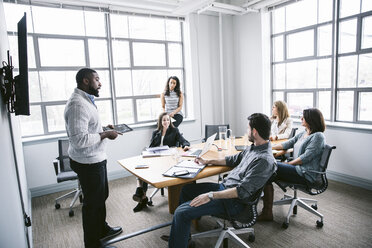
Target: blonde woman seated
[165, 134]
[281, 123]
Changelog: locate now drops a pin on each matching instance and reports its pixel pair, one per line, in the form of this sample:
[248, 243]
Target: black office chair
[212, 129]
[318, 187]
[293, 132]
[239, 224]
[65, 173]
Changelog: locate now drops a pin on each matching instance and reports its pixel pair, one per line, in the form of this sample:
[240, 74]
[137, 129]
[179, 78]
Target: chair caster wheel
[319, 223]
[71, 213]
[295, 210]
[150, 203]
[57, 206]
[314, 206]
[285, 225]
[251, 238]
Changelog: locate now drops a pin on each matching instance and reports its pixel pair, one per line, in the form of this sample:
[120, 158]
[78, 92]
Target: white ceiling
[175, 7]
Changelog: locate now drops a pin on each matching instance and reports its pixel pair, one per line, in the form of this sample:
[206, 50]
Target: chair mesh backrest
[64, 160]
[325, 157]
[212, 129]
[293, 132]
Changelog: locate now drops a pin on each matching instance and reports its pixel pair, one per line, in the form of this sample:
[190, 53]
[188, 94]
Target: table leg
[173, 197]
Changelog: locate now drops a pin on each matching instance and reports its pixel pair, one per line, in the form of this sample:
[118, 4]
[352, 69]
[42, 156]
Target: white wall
[12, 228]
[248, 68]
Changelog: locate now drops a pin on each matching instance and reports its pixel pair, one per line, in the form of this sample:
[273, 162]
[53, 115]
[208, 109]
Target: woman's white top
[171, 102]
[284, 130]
[161, 142]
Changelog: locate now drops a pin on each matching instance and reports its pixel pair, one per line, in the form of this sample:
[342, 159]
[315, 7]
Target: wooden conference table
[158, 165]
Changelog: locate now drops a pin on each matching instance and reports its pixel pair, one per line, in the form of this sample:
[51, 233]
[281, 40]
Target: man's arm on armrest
[223, 194]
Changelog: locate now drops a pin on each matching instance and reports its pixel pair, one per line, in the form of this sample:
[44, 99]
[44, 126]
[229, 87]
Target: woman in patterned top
[172, 100]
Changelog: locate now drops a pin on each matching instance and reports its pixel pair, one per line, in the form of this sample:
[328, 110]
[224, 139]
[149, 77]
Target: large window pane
[301, 74]
[173, 29]
[278, 48]
[279, 76]
[345, 103]
[349, 7]
[120, 53]
[141, 52]
[365, 70]
[123, 83]
[366, 5]
[55, 118]
[148, 109]
[367, 32]
[58, 21]
[324, 100]
[34, 86]
[300, 44]
[57, 85]
[347, 71]
[148, 82]
[98, 53]
[95, 24]
[278, 20]
[347, 36]
[14, 12]
[365, 106]
[297, 102]
[13, 46]
[301, 14]
[175, 55]
[104, 77]
[325, 40]
[33, 124]
[325, 10]
[324, 73]
[105, 112]
[278, 96]
[125, 111]
[61, 52]
[119, 26]
[146, 28]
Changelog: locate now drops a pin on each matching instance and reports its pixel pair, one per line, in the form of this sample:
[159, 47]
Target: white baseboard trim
[57, 187]
[355, 181]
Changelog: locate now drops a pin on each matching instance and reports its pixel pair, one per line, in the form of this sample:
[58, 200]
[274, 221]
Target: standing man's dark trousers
[93, 180]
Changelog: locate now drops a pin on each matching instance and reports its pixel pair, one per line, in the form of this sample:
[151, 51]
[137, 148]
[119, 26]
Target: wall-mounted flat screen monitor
[21, 103]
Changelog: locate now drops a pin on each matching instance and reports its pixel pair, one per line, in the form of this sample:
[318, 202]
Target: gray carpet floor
[346, 209]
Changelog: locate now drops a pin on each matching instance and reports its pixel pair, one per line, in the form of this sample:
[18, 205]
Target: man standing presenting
[252, 169]
[88, 157]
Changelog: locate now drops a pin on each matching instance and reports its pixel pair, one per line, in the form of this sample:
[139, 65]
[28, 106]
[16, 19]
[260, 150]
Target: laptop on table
[201, 152]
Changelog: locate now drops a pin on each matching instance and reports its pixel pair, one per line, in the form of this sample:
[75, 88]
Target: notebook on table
[201, 152]
[185, 169]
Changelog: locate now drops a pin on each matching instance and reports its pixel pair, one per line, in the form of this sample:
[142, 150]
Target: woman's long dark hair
[160, 126]
[177, 89]
[314, 118]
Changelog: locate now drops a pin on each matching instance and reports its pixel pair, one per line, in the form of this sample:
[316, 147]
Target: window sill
[36, 139]
[344, 126]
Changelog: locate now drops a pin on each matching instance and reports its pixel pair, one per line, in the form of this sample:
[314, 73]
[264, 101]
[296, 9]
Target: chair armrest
[313, 171]
[55, 163]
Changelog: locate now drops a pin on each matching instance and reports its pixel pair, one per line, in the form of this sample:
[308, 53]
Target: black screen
[22, 105]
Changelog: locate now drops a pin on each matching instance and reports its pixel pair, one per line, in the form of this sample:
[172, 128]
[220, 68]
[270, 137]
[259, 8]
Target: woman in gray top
[307, 147]
[172, 100]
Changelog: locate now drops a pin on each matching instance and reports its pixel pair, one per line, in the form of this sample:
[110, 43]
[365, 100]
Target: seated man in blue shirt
[252, 169]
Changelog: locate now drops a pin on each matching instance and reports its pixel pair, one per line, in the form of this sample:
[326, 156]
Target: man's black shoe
[112, 232]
